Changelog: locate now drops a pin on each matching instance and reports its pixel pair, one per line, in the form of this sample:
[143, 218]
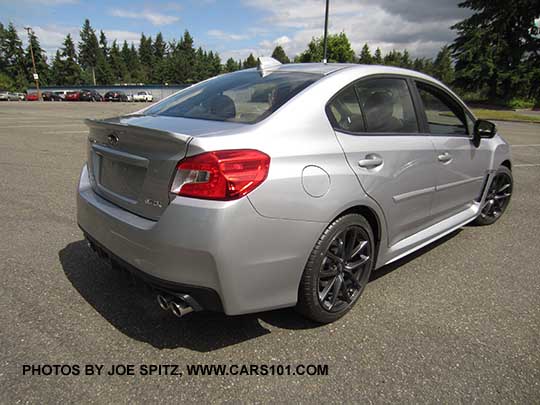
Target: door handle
[370, 162]
[444, 157]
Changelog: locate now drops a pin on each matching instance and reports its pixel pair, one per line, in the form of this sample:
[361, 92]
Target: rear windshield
[245, 97]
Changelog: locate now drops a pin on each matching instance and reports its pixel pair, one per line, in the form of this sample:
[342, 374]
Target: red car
[31, 97]
[73, 96]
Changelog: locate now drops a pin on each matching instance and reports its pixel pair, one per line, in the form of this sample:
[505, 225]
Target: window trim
[460, 103]
[412, 91]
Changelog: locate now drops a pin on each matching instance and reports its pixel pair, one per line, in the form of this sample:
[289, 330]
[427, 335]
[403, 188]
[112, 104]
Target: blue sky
[237, 27]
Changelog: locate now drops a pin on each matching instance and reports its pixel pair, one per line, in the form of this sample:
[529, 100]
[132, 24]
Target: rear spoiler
[115, 126]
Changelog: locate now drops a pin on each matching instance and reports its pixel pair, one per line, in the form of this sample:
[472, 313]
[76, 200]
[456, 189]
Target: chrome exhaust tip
[180, 308]
[164, 302]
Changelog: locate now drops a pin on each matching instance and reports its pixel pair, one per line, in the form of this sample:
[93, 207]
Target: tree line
[495, 56]
[156, 61]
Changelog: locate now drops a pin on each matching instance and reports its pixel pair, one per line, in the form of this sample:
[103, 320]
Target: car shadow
[131, 307]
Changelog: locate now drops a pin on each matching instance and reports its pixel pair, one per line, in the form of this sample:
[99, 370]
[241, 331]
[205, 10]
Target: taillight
[221, 175]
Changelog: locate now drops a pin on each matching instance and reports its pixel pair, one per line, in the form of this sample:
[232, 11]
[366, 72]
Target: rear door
[377, 126]
[461, 167]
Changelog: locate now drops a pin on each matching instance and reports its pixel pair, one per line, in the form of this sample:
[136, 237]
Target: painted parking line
[527, 165]
[524, 146]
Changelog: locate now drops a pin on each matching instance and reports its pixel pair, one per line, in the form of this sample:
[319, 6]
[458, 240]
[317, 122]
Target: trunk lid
[132, 166]
[132, 159]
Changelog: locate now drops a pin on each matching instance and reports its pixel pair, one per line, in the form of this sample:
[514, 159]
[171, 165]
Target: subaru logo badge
[113, 140]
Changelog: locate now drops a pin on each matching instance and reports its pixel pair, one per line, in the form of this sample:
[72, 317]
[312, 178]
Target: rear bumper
[252, 263]
[206, 298]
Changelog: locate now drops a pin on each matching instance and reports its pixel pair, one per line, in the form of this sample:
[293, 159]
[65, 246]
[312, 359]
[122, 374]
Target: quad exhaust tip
[176, 305]
[164, 302]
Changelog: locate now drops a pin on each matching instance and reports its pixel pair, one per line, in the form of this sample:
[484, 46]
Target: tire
[331, 256]
[498, 197]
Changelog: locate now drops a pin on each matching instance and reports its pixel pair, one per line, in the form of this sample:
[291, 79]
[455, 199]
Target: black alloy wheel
[497, 198]
[337, 270]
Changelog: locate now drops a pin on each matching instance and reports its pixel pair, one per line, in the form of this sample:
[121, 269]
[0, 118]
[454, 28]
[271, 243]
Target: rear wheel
[497, 198]
[338, 269]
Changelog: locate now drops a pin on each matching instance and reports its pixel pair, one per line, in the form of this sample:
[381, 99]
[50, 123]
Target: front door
[376, 124]
[461, 167]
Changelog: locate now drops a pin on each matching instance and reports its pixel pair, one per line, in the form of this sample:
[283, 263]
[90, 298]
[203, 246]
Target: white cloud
[51, 37]
[121, 36]
[421, 26]
[224, 36]
[153, 17]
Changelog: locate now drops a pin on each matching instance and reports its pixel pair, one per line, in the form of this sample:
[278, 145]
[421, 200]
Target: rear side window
[387, 106]
[444, 115]
[345, 113]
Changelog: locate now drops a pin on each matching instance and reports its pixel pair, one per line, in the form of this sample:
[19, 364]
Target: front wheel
[337, 270]
[497, 198]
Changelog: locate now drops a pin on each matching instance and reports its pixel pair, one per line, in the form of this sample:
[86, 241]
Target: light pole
[325, 40]
[36, 76]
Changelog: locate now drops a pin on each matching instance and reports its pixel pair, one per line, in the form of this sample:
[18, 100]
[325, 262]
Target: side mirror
[483, 129]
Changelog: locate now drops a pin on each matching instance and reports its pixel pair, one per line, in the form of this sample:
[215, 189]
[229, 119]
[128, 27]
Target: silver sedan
[287, 185]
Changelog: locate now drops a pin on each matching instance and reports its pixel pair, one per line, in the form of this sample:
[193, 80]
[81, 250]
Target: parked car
[61, 94]
[228, 204]
[115, 96]
[21, 96]
[51, 96]
[4, 95]
[143, 96]
[32, 97]
[73, 96]
[90, 95]
[8, 96]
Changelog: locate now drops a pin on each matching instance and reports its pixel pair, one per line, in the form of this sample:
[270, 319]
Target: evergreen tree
[88, 51]
[57, 68]
[215, 63]
[418, 64]
[160, 47]
[279, 54]
[2, 45]
[377, 58]
[250, 62]
[231, 65]
[442, 67]
[146, 56]
[406, 61]
[423, 65]
[365, 56]
[131, 70]
[71, 71]
[14, 60]
[202, 65]
[185, 60]
[117, 64]
[393, 58]
[135, 65]
[495, 45]
[160, 53]
[103, 44]
[103, 70]
[40, 58]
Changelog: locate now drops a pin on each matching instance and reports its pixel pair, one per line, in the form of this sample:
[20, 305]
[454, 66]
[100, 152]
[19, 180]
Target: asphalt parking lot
[458, 322]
